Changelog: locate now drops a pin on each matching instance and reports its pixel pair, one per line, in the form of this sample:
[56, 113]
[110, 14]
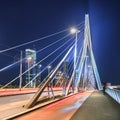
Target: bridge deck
[98, 107]
[16, 91]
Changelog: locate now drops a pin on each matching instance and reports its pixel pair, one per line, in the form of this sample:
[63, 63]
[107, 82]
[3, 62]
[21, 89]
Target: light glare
[73, 30]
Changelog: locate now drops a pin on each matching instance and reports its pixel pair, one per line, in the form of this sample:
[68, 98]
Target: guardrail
[115, 94]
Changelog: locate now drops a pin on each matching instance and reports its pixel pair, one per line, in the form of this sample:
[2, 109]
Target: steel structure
[81, 66]
[83, 74]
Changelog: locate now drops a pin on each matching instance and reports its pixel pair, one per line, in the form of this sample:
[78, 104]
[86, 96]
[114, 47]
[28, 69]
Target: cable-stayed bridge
[70, 68]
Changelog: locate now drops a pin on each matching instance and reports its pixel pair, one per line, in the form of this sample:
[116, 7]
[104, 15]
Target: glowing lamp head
[40, 65]
[49, 67]
[73, 30]
[29, 58]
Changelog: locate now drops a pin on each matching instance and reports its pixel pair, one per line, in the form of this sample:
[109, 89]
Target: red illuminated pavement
[61, 110]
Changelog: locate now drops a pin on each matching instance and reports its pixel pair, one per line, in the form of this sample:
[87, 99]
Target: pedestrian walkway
[98, 107]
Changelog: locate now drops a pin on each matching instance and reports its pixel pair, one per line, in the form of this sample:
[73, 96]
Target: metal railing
[115, 94]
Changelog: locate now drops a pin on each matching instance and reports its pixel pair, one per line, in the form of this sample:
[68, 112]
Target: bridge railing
[115, 94]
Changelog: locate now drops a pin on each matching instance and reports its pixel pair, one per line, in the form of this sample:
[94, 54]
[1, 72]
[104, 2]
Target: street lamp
[40, 66]
[49, 67]
[20, 83]
[40, 71]
[29, 58]
[28, 61]
[75, 31]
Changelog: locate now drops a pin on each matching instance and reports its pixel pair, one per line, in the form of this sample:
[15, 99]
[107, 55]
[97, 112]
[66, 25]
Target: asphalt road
[10, 105]
[61, 110]
[21, 97]
[14, 98]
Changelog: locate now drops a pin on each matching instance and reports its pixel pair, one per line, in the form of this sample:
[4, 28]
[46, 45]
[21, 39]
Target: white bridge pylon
[87, 47]
[87, 51]
[88, 44]
[75, 79]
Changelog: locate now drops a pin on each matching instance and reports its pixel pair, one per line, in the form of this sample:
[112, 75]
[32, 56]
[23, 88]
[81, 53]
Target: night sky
[24, 20]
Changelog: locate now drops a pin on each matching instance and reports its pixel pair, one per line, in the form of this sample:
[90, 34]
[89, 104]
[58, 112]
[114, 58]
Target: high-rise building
[30, 61]
[65, 69]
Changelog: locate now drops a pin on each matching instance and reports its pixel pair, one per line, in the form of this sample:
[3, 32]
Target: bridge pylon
[87, 48]
[87, 51]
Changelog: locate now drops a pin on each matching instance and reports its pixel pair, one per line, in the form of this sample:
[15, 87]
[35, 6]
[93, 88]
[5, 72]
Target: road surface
[61, 110]
[10, 105]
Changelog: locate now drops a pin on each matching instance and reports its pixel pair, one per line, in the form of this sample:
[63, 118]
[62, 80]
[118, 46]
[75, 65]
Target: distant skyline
[25, 20]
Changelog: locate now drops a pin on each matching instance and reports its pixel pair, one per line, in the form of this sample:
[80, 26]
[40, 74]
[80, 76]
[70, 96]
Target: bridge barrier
[115, 94]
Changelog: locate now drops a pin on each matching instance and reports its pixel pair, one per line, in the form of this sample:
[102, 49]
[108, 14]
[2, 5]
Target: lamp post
[40, 72]
[16, 58]
[49, 67]
[28, 61]
[75, 31]
[20, 84]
